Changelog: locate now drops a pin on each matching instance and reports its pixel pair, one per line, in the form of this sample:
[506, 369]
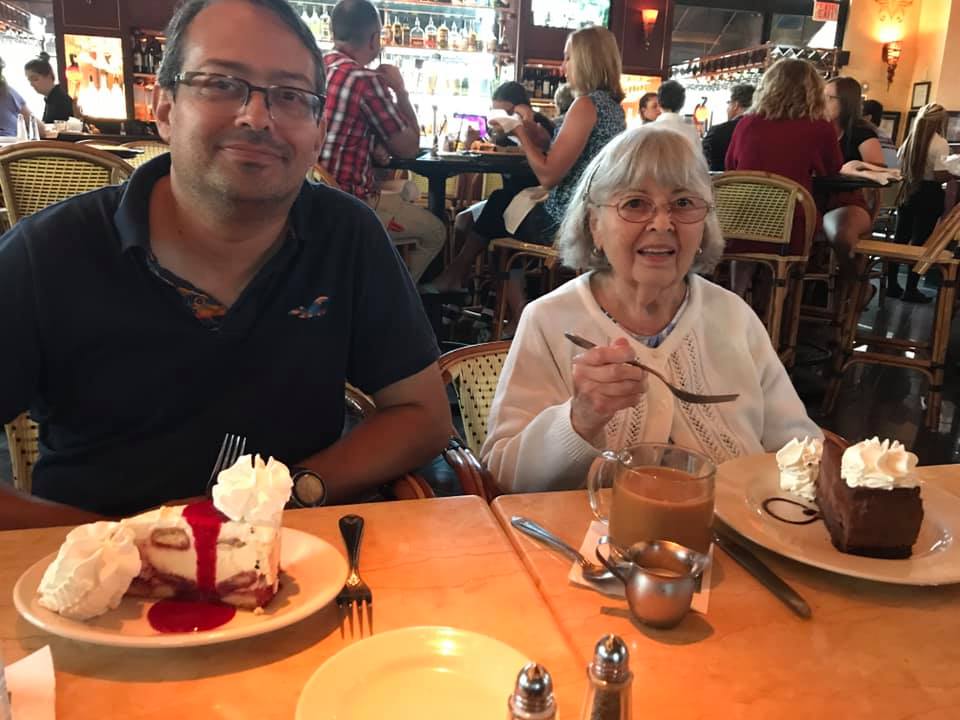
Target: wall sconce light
[649, 17]
[891, 56]
[891, 11]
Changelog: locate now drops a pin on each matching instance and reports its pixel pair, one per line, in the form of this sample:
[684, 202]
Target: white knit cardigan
[718, 346]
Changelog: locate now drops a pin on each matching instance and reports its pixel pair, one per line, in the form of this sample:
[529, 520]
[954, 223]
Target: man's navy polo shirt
[134, 394]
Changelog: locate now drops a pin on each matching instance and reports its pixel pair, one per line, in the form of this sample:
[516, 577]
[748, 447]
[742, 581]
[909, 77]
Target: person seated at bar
[642, 219]
[924, 172]
[649, 107]
[361, 115]
[474, 226]
[11, 105]
[214, 292]
[847, 215]
[672, 95]
[790, 104]
[57, 105]
[563, 98]
[717, 139]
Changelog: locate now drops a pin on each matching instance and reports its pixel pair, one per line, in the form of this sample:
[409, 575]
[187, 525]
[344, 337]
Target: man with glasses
[215, 292]
[717, 140]
[363, 119]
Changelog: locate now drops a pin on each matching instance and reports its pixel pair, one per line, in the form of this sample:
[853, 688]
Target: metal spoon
[591, 571]
[689, 397]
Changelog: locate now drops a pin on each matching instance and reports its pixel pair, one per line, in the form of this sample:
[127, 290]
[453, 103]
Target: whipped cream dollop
[253, 492]
[94, 568]
[799, 463]
[878, 465]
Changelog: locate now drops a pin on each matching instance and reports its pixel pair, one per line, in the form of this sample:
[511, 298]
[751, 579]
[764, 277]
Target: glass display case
[94, 75]
[452, 55]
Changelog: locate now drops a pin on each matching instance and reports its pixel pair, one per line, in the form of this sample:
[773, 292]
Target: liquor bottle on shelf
[443, 35]
[323, 26]
[491, 41]
[472, 42]
[430, 34]
[405, 32]
[397, 30]
[305, 15]
[456, 40]
[137, 56]
[386, 31]
[417, 36]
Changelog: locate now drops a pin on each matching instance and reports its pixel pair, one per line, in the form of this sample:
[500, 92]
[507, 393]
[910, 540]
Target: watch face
[309, 488]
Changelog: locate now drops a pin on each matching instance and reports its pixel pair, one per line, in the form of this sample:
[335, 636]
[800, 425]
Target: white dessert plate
[312, 573]
[744, 483]
[422, 673]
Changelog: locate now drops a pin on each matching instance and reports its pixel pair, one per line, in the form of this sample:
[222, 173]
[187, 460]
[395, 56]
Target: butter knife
[769, 579]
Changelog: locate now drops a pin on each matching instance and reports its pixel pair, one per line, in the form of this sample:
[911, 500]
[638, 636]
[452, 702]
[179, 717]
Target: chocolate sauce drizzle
[812, 514]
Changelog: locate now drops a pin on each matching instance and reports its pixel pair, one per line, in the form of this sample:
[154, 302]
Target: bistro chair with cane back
[926, 355]
[151, 149]
[758, 208]
[34, 175]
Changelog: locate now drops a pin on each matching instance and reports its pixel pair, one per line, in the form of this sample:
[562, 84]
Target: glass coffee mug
[659, 492]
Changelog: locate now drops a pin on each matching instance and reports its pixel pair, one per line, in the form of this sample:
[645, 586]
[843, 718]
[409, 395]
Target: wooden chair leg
[848, 336]
[777, 299]
[502, 278]
[941, 339]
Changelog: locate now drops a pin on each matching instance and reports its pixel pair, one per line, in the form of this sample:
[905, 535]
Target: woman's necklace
[657, 339]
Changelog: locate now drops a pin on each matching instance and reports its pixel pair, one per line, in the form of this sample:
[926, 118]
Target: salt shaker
[608, 694]
[532, 699]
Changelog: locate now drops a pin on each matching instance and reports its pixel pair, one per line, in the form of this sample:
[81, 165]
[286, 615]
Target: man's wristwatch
[309, 489]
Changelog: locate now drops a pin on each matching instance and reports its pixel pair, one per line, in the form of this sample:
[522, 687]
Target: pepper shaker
[532, 699]
[608, 692]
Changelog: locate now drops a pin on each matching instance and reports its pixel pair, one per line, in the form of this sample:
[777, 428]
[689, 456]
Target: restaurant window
[802, 31]
[700, 31]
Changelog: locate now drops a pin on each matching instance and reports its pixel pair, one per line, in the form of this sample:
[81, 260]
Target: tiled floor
[889, 402]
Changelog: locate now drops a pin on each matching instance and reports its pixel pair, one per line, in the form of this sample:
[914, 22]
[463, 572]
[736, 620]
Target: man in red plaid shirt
[362, 119]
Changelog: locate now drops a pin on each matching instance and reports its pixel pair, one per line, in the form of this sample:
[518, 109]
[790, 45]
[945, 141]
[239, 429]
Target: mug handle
[596, 479]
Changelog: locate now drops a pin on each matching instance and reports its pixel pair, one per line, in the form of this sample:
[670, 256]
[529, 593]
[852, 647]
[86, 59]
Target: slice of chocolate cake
[881, 522]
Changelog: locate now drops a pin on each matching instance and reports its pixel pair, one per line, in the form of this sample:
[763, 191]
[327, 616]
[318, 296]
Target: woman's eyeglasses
[285, 104]
[639, 209]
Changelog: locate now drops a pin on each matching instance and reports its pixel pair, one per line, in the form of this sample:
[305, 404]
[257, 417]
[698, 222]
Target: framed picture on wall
[920, 96]
[890, 125]
[911, 116]
[953, 126]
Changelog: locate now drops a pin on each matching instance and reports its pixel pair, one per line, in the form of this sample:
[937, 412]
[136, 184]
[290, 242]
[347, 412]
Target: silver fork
[680, 393]
[231, 449]
[355, 592]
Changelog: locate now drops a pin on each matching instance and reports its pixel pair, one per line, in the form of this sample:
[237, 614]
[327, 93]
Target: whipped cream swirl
[878, 465]
[94, 568]
[253, 492]
[799, 463]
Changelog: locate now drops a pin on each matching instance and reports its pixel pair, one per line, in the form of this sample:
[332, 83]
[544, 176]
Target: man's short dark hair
[742, 95]
[873, 111]
[511, 92]
[180, 23]
[354, 21]
[672, 95]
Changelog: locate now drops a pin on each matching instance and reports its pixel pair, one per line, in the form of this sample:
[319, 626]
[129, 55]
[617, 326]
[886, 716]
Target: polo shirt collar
[132, 217]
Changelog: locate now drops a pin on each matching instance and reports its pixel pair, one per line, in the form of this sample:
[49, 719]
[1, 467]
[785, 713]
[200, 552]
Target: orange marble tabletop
[428, 562]
[871, 650]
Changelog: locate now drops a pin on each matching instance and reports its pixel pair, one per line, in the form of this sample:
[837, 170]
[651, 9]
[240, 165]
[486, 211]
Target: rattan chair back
[35, 175]
[946, 232]
[759, 207]
[151, 149]
[474, 371]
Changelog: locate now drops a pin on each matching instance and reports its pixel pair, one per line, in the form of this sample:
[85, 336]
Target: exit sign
[826, 11]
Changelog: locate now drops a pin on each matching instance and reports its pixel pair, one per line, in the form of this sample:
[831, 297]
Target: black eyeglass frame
[187, 78]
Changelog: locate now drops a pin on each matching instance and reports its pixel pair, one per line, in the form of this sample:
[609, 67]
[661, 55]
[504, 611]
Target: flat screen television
[567, 15]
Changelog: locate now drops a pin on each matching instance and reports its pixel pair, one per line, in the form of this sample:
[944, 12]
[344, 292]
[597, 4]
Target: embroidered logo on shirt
[394, 226]
[318, 308]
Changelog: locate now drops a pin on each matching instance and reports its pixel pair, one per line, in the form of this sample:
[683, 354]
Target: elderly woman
[642, 219]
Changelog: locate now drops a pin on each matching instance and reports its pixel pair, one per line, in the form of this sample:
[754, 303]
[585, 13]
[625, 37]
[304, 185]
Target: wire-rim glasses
[284, 103]
[636, 208]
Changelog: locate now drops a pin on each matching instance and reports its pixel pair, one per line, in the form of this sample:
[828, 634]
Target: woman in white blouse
[642, 220]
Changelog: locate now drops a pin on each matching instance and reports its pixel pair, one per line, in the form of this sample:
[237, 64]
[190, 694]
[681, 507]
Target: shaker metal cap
[534, 689]
[611, 660]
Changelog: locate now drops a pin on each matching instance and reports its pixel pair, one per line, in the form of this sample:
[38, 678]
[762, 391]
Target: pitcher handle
[596, 480]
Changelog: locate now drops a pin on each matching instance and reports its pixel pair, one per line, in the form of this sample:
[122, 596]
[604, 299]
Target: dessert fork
[680, 393]
[231, 449]
[355, 592]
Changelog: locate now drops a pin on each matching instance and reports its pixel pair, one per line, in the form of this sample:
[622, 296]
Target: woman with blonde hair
[641, 219]
[922, 199]
[591, 63]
